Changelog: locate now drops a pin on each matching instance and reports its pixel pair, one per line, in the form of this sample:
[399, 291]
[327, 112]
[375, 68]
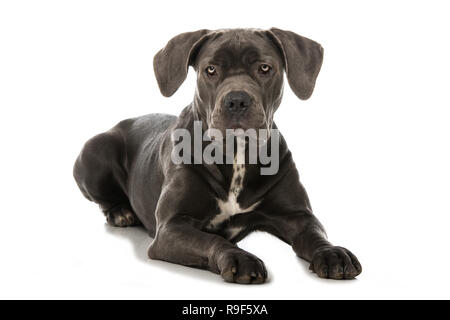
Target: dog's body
[197, 212]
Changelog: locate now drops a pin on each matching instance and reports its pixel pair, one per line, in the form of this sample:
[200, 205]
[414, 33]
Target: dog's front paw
[241, 267]
[335, 263]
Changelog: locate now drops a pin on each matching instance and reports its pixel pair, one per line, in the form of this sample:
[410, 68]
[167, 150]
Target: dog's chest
[231, 206]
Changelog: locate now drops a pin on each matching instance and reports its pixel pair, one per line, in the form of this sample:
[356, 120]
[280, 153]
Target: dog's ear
[302, 60]
[171, 63]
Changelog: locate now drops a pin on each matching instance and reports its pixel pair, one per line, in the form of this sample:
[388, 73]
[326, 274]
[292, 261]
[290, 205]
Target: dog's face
[239, 73]
[239, 79]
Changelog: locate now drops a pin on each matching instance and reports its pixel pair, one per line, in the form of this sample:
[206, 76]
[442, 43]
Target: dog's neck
[224, 174]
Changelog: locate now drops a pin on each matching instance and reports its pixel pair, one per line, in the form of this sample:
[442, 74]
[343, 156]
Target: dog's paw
[122, 217]
[241, 267]
[335, 263]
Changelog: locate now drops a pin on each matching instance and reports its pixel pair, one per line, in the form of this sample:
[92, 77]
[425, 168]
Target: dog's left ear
[171, 63]
[302, 60]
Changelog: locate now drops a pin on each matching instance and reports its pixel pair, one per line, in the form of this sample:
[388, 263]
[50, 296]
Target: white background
[371, 145]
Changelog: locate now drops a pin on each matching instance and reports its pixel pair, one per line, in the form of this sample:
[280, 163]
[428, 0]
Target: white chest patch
[231, 207]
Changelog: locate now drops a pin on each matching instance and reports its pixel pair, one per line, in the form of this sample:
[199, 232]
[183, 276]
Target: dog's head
[239, 72]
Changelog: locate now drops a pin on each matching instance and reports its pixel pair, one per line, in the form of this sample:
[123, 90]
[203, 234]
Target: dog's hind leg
[101, 174]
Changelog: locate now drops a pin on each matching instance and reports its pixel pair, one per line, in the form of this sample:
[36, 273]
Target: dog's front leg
[181, 243]
[309, 241]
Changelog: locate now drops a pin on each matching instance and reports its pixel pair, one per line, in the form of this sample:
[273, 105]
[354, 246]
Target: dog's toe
[121, 217]
[242, 267]
[335, 263]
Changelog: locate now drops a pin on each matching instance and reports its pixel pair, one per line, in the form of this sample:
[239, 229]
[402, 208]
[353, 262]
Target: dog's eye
[211, 71]
[264, 68]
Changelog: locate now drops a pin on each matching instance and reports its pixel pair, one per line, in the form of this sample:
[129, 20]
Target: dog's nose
[236, 101]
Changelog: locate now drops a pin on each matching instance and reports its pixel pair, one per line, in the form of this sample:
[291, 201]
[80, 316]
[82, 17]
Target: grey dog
[196, 213]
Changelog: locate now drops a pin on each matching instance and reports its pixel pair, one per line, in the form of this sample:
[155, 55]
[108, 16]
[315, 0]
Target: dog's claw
[335, 263]
[242, 267]
[121, 217]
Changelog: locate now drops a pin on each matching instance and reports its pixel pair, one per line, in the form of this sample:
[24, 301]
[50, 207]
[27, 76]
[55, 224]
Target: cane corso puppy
[197, 212]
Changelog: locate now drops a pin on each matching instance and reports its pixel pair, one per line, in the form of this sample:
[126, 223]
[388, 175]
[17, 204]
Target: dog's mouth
[226, 126]
[252, 118]
[255, 127]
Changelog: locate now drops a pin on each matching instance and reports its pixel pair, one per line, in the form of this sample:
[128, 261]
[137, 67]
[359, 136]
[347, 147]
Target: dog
[197, 212]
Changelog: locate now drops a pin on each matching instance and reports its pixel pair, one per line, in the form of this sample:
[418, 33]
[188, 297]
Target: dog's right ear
[171, 63]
